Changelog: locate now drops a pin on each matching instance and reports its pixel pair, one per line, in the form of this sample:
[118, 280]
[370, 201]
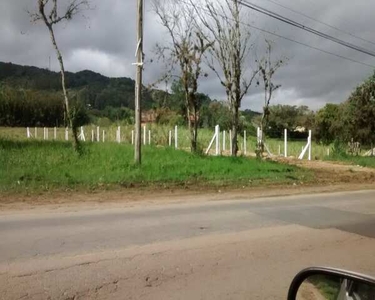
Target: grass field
[33, 166]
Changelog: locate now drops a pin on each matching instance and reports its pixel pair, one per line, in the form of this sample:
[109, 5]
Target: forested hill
[31, 96]
[92, 88]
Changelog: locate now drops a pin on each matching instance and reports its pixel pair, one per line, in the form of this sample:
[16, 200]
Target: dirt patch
[326, 172]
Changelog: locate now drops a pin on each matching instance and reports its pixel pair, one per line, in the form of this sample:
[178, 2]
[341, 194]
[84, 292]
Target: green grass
[33, 166]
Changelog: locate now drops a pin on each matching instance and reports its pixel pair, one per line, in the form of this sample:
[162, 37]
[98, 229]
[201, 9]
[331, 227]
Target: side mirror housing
[320, 283]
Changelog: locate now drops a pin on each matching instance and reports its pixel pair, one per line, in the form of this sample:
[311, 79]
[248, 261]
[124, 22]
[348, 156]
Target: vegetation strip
[34, 166]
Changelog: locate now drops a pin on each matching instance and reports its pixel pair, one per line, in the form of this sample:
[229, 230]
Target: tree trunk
[234, 149]
[192, 127]
[76, 143]
[260, 144]
[65, 92]
[191, 130]
[194, 144]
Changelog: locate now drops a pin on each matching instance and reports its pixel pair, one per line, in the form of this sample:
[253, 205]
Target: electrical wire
[303, 27]
[289, 39]
[309, 46]
[320, 22]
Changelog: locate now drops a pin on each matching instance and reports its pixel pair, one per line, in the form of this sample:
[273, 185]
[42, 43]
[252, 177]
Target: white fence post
[149, 137]
[307, 147]
[44, 133]
[144, 134]
[47, 130]
[224, 141]
[28, 132]
[176, 137]
[103, 136]
[170, 138]
[132, 137]
[244, 143]
[54, 133]
[285, 142]
[36, 132]
[98, 134]
[82, 135]
[328, 152]
[66, 133]
[118, 134]
[213, 140]
[310, 144]
[259, 135]
[217, 134]
[230, 142]
[92, 135]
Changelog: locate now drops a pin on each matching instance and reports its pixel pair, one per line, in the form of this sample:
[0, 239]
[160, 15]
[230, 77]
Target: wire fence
[159, 135]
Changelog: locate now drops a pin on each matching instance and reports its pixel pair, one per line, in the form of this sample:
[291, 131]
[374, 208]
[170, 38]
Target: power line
[303, 27]
[290, 39]
[309, 46]
[321, 22]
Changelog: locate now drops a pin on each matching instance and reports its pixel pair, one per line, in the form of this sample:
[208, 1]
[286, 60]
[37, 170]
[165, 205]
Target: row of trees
[30, 108]
[353, 119]
[213, 34]
[26, 107]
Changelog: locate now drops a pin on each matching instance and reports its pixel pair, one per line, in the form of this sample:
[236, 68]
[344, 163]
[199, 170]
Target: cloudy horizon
[104, 41]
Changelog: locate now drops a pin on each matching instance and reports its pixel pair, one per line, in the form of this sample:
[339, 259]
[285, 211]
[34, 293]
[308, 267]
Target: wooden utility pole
[138, 85]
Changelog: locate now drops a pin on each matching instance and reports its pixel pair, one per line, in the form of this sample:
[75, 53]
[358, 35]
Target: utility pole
[138, 85]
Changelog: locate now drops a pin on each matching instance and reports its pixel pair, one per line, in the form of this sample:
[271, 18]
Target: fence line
[180, 139]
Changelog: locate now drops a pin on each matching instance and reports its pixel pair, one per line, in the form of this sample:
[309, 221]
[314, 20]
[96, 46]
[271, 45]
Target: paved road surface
[212, 250]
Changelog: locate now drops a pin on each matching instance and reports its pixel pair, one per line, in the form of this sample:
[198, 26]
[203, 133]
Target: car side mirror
[331, 284]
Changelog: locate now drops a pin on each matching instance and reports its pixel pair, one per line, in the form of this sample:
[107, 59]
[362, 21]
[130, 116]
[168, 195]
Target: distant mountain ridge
[95, 89]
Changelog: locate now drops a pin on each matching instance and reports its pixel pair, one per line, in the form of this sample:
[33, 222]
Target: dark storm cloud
[104, 41]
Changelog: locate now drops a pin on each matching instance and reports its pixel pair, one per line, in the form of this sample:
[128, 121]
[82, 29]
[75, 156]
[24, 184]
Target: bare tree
[223, 22]
[268, 68]
[48, 13]
[186, 50]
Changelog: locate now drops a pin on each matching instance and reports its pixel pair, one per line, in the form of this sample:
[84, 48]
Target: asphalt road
[209, 250]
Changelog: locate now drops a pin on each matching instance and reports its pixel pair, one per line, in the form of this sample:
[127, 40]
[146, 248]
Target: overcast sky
[104, 41]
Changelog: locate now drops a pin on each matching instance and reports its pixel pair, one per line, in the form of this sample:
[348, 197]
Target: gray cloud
[104, 41]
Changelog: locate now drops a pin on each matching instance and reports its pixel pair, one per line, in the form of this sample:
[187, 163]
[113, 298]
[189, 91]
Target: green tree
[327, 124]
[359, 113]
